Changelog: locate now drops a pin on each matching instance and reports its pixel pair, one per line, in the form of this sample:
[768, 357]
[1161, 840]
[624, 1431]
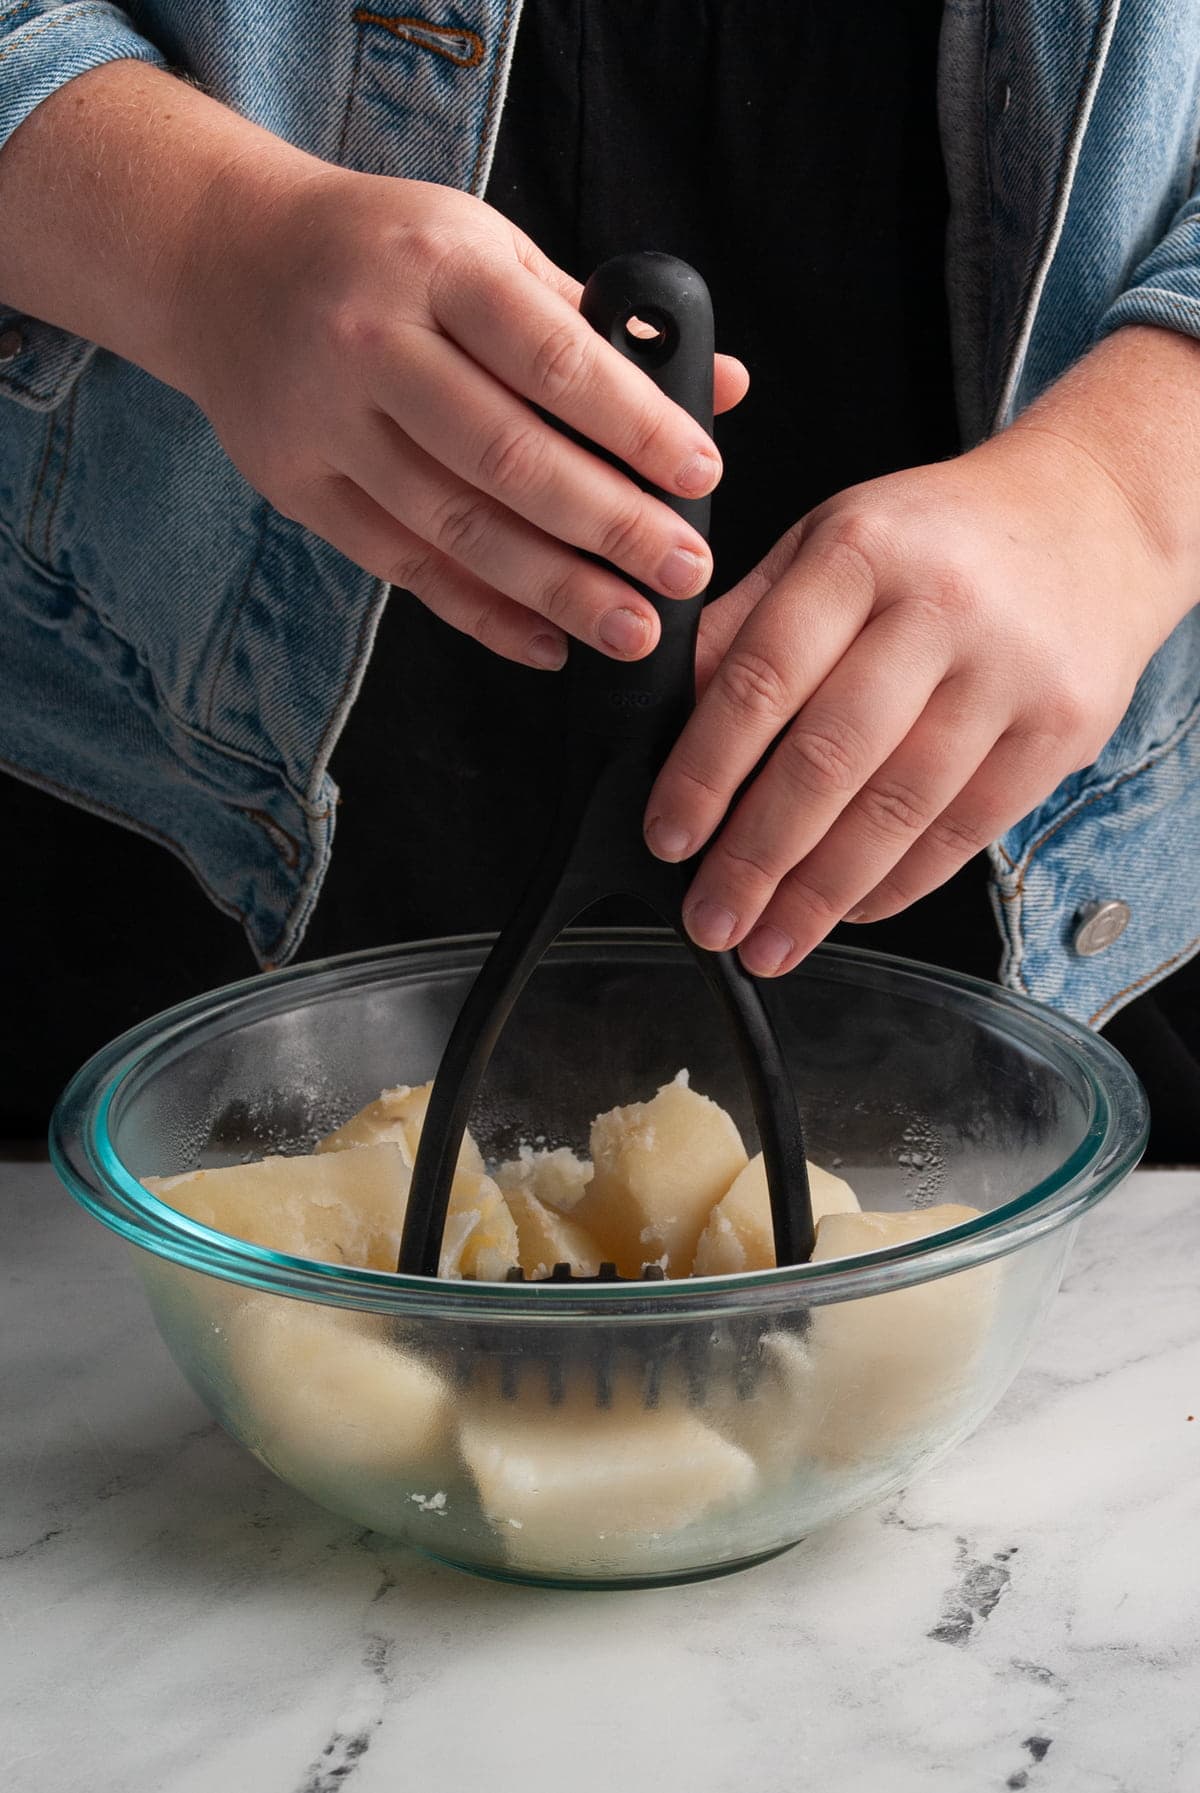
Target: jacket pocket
[424, 94]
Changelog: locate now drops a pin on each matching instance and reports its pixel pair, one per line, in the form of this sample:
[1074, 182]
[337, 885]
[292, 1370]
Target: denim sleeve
[1165, 287]
[43, 45]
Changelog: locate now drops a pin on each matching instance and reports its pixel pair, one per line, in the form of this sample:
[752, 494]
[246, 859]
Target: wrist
[1128, 418]
[236, 235]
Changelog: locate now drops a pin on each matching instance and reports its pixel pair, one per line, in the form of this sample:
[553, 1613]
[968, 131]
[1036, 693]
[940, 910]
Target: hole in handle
[648, 336]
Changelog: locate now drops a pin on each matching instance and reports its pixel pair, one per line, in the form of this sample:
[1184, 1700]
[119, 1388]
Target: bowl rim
[83, 1154]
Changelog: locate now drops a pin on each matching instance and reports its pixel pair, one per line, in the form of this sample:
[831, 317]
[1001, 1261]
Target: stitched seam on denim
[13, 13]
[989, 184]
[1184, 952]
[1184, 301]
[410, 30]
[10, 383]
[110, 812]
[300, 912]
[64, 458]
[351, 96]
[369, 616]
[51, 426]
[1153, 758]
[493, 89]
[58, 18]
[275, 834]
[209, 702]
[223, 749]
[1085, 101]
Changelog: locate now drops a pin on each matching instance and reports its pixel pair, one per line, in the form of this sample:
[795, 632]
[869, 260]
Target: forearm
[104, 190]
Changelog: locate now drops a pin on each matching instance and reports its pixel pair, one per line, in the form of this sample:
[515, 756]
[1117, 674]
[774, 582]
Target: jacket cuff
[1165, 287]
[43, 45]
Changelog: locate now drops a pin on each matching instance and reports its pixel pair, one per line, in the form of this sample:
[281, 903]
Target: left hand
[926, 656]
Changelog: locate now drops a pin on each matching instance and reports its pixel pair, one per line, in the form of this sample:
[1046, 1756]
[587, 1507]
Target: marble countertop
[1028, 1616]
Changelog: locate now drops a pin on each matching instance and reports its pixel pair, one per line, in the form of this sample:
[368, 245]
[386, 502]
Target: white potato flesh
[337, 1209]
[546, 1238]
[577, 1486]
[321, 1392]
[896, 1363]
[479, 1216]
[660, 1169]
[557, 1178]
[739, 1235]
[344, 1208]
[776, 1423]
[396, 1118]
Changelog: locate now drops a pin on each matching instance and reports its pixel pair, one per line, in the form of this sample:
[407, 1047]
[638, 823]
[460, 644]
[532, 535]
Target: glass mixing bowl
[619, 1435]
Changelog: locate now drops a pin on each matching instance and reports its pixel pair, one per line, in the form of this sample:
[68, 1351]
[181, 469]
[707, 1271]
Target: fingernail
[667, 839]
[855, 915]
[683, 573]
[623, 630]
[709, 924]
[765, 951]
[548, 651]
[699, 474]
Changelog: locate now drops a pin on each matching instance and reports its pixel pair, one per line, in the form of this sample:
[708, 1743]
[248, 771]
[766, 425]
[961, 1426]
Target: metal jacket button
[1099, 924]
[11, 344]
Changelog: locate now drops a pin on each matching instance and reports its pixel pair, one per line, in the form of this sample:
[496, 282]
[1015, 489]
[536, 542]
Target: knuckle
[959, 834]
[644, 428]
[459, 526]
[697, 784]
[802, 897]
[1065, 713]
[563, 361]
[893, 809]
[449, 263]
[513, 457]
[745, 865]
[749, 682]
[621, 536]
[819, 757]
[416, 571]
[354, 332]
[955, 590]
[890, 895]
[864, 538]
[558, 600]
[481, 623]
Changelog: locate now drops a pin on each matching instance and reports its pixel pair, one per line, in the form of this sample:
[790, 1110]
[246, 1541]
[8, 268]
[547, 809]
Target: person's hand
[370, 352]
[926, 657]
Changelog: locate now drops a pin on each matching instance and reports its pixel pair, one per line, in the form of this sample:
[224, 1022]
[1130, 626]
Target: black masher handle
[640, 707]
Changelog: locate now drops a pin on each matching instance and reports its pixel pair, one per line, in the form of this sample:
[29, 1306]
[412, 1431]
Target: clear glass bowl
[506, 1428]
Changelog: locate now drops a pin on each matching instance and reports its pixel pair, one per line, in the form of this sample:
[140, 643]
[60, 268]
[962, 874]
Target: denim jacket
[178, 656]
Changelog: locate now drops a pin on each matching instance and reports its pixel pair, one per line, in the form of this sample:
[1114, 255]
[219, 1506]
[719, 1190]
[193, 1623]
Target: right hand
[370, 350]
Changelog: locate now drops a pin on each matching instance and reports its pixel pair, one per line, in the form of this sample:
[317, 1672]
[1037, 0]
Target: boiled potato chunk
[397, 1118]
[660, 1169]
[344, 1208]
[321, 1391]
[339, 1209]
[546, 1238]
[739, 1235]
[890, 1365]
[557, 1178]
[480, 1239]
[578, 1486]
[776, 1423]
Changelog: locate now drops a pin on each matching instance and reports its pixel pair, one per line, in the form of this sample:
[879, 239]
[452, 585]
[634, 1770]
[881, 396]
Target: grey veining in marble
[1028, 1616]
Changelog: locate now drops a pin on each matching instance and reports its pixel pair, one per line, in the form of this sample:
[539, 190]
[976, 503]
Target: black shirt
[789, 150]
